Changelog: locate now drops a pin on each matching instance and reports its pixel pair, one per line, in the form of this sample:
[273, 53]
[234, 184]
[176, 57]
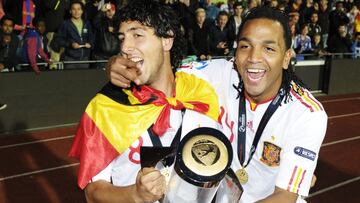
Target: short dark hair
[6, 17]
[37, 20]
[162, 19]
[266, 12]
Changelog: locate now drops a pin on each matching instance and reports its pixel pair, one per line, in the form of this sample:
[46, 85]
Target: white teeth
[136, 59]
[255, 70]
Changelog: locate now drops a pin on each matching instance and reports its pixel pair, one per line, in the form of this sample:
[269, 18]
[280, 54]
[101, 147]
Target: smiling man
[276, 126]
[162, 107]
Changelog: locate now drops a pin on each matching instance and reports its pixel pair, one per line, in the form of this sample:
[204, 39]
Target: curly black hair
[265, 12]
[162, 18]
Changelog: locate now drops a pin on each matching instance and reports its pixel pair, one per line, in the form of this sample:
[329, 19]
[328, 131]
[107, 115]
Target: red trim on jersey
[302, 101]
[251, 101]
[314, 100]
[291, 179]
[302, 178]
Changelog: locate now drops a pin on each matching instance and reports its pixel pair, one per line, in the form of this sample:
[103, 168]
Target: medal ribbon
[275, 103]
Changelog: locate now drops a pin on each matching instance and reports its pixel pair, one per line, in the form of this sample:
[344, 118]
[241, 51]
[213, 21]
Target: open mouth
[137, 60]
[255, 74]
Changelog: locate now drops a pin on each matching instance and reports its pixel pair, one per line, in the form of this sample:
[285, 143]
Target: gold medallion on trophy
[242, 175]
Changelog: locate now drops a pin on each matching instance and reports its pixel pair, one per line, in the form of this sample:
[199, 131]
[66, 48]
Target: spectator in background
[198, 36]
[2, 12]
[234, 23]
[302, 42]
[357, 22]
[323, 15]
[294, 20]
[76, 36]
[317, 46]
[293, 6]
[106, 41]
[352, 16]
[23, 12]
[54, 13]
[314, 27]
[306, 11]
[35, 42]
[9, 44]
[340, 42]
[221, 37]
[91, 9]
[337, 17]
[355, 47]
[212, 11]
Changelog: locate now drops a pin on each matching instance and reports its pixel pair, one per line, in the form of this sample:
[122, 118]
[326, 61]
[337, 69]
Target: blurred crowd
[49, 31]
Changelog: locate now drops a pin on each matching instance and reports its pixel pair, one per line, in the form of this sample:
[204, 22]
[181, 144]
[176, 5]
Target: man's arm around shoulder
[280, 196]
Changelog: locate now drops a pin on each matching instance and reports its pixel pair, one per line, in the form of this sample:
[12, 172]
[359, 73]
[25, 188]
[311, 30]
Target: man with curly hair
[117, 123]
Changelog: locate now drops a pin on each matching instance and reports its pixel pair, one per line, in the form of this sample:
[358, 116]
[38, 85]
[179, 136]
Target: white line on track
[37, 141]
[334, 187]
[38, 171]
[340, 141]
[344, 115]
[339, 100]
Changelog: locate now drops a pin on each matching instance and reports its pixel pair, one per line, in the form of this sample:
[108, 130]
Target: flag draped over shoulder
[109, 125]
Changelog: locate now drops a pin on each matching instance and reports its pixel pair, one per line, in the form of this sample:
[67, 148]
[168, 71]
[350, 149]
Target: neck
[76, 19]
[165, 80]
[267, 95]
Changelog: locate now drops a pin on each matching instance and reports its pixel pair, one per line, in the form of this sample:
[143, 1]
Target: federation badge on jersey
[306, 153]
[195, 64]
[271, 154]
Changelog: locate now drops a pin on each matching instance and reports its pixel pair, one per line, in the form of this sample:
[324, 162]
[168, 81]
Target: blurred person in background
[355, 47]
[9, 44]
[317, 46]
[340, 42]
[302, 42]
[106, 41]
[212, 11]
[198, 36]
[76, 36]
[323, 19]
[221, 37]
[314, 27]
[352, 15]
[34, 49]
[235, 22]
[23, 12]
[53, 12]
[337, 18]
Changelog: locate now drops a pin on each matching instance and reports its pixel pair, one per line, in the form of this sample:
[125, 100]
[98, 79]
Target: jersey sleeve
[301, 152]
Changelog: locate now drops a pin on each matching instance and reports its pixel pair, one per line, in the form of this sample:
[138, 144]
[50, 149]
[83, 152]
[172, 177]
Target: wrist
[135, 195]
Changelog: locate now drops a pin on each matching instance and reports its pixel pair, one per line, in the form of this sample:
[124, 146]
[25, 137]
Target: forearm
[280, 196]
[105, 192]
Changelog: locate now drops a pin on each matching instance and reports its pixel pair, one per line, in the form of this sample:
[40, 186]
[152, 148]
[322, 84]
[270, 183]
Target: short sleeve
[301, 153]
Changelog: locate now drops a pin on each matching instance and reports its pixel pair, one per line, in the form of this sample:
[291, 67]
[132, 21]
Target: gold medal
[242, 175]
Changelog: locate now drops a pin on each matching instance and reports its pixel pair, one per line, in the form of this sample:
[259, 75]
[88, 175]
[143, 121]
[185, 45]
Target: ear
[167, 43]
[287, 58]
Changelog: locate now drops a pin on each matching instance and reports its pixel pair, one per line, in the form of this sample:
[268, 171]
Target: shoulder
[305, 101]
[207, 67]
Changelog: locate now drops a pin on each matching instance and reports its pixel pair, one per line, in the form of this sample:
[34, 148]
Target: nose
[126, 46]
[255, 55]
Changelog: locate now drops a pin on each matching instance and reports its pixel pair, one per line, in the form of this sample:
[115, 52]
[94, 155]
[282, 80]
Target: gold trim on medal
[242, 175]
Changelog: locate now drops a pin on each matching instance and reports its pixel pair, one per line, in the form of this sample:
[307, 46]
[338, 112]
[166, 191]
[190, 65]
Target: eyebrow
[264, 42]
[132, 29]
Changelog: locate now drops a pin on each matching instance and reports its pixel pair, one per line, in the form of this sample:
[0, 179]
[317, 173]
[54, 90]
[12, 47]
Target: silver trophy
[198, 169]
